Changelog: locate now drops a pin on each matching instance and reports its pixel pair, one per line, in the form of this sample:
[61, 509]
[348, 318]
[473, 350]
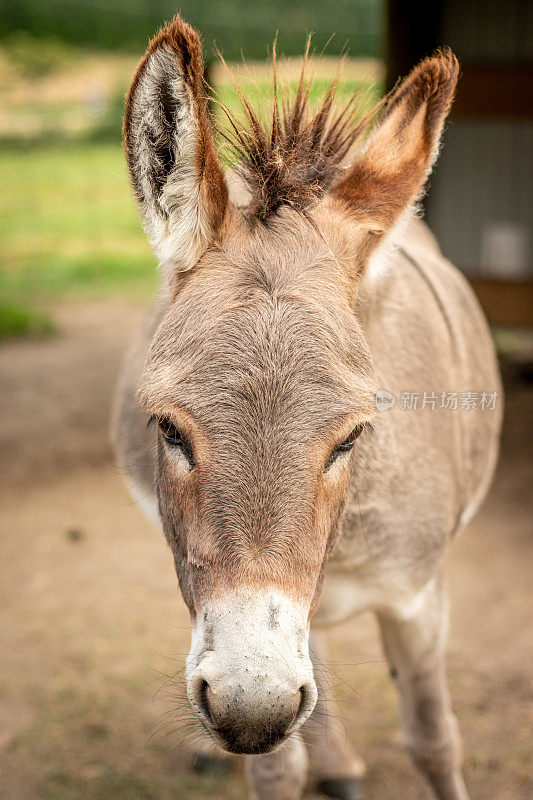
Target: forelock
[292, 157]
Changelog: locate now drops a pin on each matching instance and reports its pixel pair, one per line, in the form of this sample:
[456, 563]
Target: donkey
[299, 295]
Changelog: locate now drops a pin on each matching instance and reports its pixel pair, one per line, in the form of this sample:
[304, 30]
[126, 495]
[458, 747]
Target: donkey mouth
[256, 742]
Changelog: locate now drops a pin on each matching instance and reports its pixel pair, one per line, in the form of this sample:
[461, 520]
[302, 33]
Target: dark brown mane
[293, 157]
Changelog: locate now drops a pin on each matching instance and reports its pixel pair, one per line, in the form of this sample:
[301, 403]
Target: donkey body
[287, 498]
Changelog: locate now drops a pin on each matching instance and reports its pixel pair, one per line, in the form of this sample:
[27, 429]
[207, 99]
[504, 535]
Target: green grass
[69, 226]
[116, 785]
[262, 93]
[24, 321]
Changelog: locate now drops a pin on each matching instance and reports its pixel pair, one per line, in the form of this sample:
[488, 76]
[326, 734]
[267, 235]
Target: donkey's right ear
[175, 172]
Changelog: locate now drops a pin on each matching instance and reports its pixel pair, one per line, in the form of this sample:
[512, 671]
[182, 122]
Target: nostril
[203, 699]
[303, 700]
[308, 697]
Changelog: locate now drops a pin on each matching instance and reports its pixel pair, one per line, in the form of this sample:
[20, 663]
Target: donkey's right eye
[170, 432]
[174, 438]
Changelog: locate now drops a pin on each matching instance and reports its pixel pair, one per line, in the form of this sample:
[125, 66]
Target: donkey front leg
[280, 775]
[415, 650]
[335, 769]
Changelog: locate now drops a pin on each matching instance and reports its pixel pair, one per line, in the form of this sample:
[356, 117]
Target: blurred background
[93, 634]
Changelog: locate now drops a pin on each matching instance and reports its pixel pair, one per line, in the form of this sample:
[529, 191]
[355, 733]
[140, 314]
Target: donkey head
[259, 377]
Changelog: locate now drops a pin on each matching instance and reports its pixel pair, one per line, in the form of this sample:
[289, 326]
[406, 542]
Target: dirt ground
[93, 631]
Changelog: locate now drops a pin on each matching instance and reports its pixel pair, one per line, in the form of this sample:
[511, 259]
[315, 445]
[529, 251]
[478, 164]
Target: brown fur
[390, 176]
[294, 157]
[294, 391]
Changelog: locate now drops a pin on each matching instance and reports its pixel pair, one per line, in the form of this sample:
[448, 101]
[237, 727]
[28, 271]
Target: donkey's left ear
[390, 174]
[169, 147]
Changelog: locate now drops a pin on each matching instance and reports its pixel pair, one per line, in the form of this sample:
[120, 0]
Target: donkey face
[259, 377]
[260, 389]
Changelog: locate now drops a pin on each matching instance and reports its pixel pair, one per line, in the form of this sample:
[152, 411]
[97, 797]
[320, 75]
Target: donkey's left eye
[346, 445]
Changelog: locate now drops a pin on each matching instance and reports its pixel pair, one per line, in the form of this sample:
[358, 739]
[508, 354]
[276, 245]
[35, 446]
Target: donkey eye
[170, 432]
[346, 445]
[350, 441]
[174, 438]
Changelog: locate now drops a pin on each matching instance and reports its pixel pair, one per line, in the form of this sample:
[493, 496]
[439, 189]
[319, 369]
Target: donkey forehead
[230, 350]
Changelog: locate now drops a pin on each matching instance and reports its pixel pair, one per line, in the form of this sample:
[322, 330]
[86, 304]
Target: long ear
[169, 148]
[390, 174]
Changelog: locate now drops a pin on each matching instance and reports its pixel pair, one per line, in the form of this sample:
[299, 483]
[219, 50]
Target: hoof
[210, 764]
[341, 788]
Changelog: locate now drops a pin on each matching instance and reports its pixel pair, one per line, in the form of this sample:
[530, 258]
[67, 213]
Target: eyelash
[173, 437]
[346, 445]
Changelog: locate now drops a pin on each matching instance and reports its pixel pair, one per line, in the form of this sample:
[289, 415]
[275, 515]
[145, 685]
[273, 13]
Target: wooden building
[480, 203]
